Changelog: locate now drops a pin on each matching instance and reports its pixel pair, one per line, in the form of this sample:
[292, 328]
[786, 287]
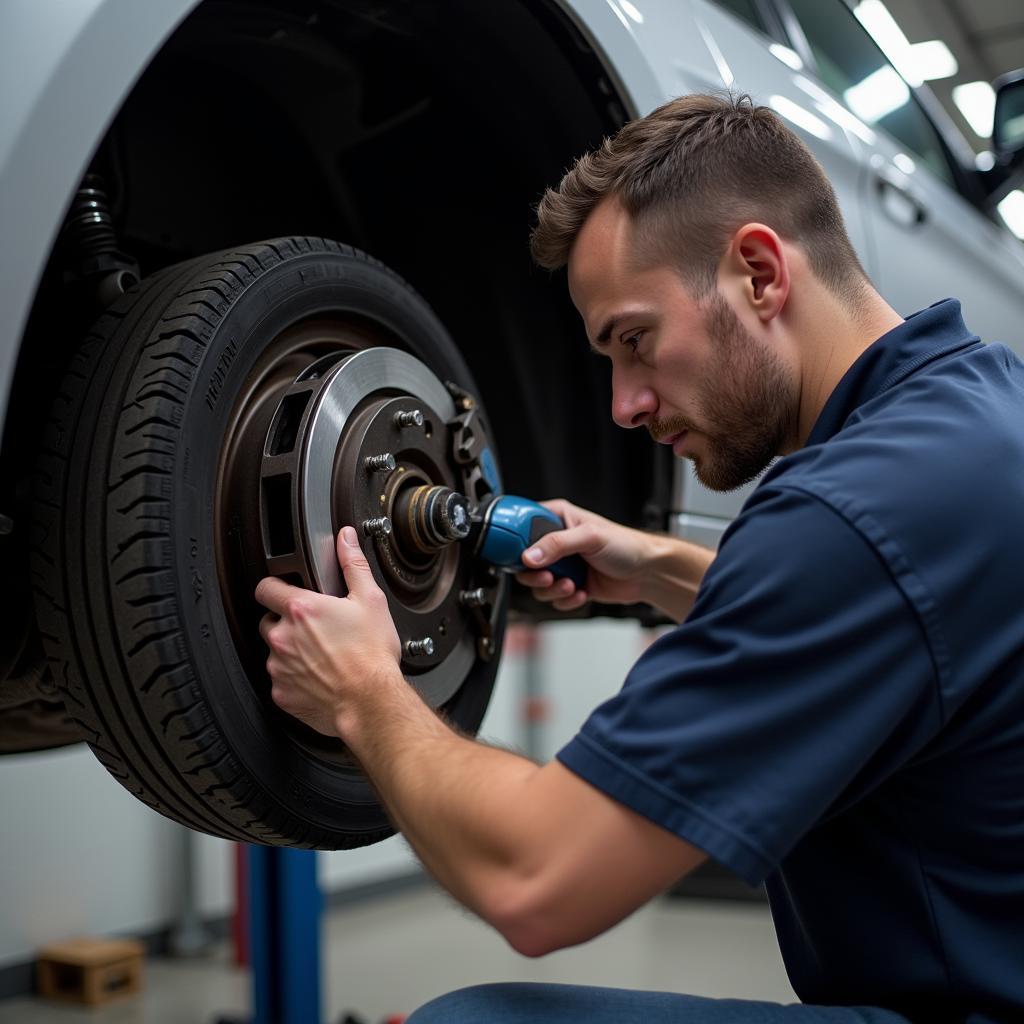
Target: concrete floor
[389, 955]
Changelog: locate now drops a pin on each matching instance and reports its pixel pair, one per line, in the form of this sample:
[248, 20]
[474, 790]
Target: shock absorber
[90, 240]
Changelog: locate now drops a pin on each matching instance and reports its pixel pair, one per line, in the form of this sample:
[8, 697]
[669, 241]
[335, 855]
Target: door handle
[898, 202]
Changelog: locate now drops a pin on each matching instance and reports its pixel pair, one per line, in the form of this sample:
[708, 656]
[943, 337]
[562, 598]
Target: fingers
[562, 508]
[267, 623]
[570, 604]
[358, 577]
[562, 592]
[273, 593]
[584, 539]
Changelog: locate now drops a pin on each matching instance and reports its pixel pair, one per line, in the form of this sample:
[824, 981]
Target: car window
[747, 10]
[850, 62]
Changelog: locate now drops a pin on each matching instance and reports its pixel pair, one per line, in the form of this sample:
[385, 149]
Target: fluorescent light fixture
[985, 160]
[1011, 209]
[977, 102]
[882, 27]
[632, 11]
[882, 92]
[788, 57]
[933, 59]
[800, 116]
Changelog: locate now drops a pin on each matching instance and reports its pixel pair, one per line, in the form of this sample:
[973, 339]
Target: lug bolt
[473, 598]
[379, 527]
[409, 419]
[414, 648]
[380, 463]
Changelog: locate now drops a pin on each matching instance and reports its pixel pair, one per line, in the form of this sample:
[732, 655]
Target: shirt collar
[922, 337]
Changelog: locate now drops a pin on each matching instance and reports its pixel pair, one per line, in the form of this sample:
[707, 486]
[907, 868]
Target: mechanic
[841, 712]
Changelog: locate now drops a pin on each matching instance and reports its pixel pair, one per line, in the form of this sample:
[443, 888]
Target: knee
[491, 1003]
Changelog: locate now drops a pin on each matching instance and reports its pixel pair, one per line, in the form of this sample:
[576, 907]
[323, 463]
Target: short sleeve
[800, 681]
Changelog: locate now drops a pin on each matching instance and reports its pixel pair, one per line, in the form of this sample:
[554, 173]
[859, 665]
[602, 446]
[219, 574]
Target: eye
[632, 340]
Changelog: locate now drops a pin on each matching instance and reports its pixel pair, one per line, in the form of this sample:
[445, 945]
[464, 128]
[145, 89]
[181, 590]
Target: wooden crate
[90, 971]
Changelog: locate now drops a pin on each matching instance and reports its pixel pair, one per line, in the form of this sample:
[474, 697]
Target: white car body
[67, 69]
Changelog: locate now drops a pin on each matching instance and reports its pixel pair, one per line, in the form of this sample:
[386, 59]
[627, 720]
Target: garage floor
[391, 954]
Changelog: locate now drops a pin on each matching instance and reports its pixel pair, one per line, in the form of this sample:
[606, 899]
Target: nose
[632, 405]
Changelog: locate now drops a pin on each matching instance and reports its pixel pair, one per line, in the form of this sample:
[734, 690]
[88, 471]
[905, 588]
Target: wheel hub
[375, 440]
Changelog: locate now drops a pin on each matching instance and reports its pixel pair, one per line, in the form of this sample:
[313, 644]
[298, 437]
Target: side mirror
[1008, 125]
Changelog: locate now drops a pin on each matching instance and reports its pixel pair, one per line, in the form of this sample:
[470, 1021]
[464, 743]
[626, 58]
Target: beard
[747, 404]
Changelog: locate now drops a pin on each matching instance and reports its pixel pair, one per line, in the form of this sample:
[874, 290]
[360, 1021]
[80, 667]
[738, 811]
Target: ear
[756, 266]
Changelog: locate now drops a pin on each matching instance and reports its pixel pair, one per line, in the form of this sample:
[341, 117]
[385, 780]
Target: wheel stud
[473, 598]
[379, 527]
[414, 648]
[380, 463]
[409, 419]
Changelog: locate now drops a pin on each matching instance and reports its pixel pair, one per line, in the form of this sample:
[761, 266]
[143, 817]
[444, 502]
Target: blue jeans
[521, 1003]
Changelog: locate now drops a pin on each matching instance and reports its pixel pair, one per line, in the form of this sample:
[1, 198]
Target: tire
[131, 591]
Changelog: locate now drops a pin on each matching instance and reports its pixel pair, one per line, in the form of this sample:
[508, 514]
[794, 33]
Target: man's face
[688, 371]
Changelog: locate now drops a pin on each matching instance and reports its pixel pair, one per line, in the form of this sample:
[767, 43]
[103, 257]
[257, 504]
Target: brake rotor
[374, 439]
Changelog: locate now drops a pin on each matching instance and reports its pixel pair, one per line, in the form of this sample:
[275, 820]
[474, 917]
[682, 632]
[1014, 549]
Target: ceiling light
[882, 27]
[977, 102]
[1011, 209]
[933, 59]
[882, 92]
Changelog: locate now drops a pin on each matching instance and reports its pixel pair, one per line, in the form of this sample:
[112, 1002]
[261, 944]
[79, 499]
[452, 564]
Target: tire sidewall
[305, 286]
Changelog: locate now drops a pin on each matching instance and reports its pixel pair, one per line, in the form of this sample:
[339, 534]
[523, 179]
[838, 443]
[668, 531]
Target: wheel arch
[457, 229]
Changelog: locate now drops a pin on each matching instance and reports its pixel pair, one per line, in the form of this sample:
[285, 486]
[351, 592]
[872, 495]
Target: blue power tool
[428, 518]
[507, 526]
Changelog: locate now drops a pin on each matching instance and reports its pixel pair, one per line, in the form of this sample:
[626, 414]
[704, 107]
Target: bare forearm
[458, 803]
[675, 572]
[538, 853]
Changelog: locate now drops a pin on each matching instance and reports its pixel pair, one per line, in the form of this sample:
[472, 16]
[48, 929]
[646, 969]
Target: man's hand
[329, 656]
[625, 565]
[615, 557]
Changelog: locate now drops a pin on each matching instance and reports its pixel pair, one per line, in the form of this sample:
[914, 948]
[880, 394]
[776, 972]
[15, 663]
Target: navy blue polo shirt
[842, 713]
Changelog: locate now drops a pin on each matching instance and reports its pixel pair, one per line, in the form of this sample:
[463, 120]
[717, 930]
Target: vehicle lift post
[284, 923]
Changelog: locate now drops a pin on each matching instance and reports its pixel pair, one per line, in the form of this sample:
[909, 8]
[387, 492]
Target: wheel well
[423, 132]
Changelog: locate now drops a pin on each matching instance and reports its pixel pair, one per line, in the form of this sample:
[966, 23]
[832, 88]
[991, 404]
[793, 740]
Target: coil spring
[89, 228]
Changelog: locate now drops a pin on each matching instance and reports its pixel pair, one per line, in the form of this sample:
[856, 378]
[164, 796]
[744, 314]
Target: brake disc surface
[367, 439]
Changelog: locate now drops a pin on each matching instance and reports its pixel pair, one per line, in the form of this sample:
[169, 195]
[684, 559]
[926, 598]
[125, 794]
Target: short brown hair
[690, 174]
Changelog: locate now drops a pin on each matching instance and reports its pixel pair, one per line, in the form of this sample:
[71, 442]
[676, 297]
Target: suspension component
[90, 240]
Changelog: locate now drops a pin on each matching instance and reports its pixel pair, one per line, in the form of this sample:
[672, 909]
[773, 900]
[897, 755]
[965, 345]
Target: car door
[744, 38]
[927, 241]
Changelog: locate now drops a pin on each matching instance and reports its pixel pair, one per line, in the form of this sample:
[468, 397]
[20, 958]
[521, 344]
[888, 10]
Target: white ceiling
[986, 37]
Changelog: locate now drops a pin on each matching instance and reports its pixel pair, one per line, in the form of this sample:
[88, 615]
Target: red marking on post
[536, 710]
